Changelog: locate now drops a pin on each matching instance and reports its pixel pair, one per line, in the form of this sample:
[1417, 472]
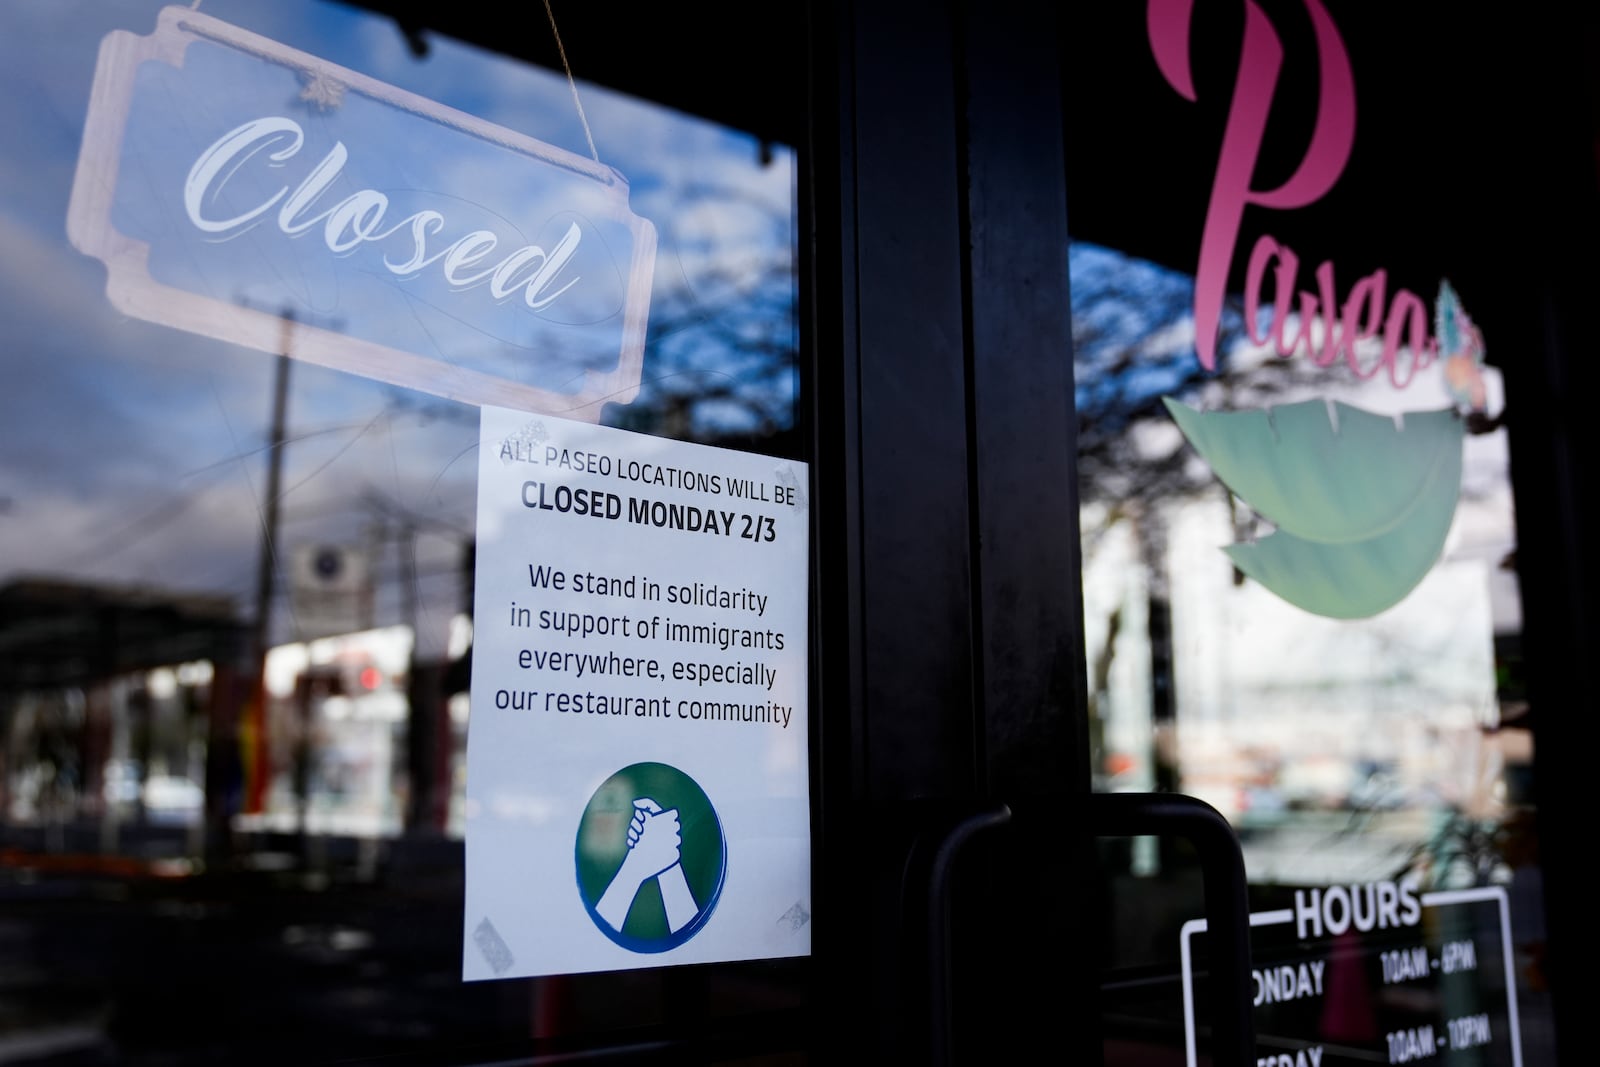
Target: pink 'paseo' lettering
[1364, 310]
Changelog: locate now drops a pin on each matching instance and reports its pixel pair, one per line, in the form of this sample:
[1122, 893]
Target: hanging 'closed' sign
[232, 185]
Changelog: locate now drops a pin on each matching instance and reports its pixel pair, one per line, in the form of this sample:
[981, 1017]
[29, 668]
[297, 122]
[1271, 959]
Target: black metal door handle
[1227, 901]
[944, 860]
[1127, 815]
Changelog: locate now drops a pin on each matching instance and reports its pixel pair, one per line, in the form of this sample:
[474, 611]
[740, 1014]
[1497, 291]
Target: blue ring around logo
[672, 940]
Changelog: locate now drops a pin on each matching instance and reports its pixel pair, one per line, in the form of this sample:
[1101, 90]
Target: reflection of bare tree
[1133, 345]
[721, 356]
[721, 359]
[1461, 852]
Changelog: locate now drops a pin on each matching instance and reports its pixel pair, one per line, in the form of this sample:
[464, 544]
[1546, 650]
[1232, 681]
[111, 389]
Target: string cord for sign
[572, 82]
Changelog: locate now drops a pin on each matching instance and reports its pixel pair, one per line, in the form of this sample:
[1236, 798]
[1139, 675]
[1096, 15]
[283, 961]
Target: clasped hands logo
[651, 857]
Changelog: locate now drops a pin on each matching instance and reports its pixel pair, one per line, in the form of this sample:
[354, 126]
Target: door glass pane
[196, 871]
[1373, 754]
[1301, 582]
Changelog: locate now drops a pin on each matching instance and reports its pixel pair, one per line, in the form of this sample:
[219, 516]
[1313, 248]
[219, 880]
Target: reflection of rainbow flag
[253, 749]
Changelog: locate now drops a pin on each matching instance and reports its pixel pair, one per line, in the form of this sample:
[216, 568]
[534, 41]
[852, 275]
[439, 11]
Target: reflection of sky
[134, 453]
[1133, 333]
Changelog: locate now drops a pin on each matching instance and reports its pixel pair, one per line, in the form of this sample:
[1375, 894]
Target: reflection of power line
[232, 578]
[138, 529]
[174, 507]
[213, 477]
[390, 509]
[303, 435]
[267, 560]
[236, 580]
[331, 460]
[240, 583]
[344, 506]
[393, 523]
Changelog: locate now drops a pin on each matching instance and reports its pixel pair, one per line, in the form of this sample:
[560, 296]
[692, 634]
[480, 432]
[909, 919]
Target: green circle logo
[651, 857]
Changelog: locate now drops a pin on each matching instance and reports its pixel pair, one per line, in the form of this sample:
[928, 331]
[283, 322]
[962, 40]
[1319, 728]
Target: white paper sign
[637, 791]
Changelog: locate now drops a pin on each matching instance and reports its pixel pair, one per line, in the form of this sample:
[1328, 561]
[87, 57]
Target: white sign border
[772, 939]
[1440, 898]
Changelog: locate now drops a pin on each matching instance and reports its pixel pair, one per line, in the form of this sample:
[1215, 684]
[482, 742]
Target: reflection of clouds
[45, 72]
[104, 398]
[168, 541]
[137, 453]
[719, 214]
[76, 397]
[670, 160]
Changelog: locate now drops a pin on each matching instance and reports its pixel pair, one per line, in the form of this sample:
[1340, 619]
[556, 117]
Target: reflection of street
[356, 955]
[130, 960]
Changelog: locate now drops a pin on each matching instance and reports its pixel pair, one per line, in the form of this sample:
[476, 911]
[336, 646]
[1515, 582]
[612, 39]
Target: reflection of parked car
[121, 782]
[1314, 782]
[168, 798]
[1376, 787]
[1260, 800]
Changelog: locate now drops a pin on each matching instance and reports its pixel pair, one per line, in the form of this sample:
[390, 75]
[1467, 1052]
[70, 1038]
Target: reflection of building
[337, 720]
[57, 633]
[108, 696]
[105, 694]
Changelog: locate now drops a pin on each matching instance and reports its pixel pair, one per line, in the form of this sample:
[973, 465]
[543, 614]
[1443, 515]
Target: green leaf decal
[1362, 509]
[1326, 484]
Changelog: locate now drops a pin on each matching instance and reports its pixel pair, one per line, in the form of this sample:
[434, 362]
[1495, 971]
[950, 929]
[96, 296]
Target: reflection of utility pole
[255, 733]
[428, 750]
[424, 702]
[236, 756]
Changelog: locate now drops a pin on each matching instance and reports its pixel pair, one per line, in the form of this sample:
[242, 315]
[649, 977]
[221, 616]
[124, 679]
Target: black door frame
[950, 645]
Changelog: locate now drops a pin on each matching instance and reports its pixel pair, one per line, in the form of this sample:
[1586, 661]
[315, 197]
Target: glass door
[1130, 406]
[1306, 519]
[273, 271]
